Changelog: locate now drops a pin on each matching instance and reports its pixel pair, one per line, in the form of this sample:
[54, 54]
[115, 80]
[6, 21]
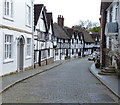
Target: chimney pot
[60, 20]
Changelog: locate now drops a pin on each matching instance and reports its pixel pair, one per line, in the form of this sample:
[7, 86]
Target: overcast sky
[73, 10]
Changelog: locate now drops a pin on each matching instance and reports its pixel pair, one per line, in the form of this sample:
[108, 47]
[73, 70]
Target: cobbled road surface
[71, 82]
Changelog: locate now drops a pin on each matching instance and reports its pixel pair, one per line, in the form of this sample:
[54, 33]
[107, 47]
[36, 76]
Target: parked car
[91, 57]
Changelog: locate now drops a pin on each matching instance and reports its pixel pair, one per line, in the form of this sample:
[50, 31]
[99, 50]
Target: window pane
[11, 10]
[28, 15]
[8, 46]
[28, 46]
[7, 8]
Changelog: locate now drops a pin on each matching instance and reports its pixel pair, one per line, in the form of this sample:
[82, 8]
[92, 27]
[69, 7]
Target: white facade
[112, 39]
[16, 35]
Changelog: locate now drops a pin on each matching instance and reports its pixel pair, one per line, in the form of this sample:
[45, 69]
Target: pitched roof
[69, 31]
[105, 4]
[60, 32]
[95, 35]
[37, 10]
[87, 37]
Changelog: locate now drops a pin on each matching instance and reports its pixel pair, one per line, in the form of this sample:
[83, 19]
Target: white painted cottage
[16, 35]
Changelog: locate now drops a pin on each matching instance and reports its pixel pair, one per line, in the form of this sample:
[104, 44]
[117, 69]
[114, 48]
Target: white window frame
[8, 48]
[8, 9]
[28, 15]
[28, 48]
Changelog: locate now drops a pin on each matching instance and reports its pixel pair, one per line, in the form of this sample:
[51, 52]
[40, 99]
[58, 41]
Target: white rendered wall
[18, 22]
[12, 66]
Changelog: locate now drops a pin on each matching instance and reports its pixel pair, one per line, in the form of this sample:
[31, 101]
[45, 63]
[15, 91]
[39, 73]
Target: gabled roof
[87, 37]
[105, 4]
[60, 32]
[69, 31]
[37, 11]
[95, 35]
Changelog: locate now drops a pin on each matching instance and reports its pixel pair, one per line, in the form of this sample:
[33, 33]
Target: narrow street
[71, 82]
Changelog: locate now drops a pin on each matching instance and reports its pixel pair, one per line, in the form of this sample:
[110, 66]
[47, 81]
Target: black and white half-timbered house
[88, 43]
[63, 44]
[40, 33]
[43, 32]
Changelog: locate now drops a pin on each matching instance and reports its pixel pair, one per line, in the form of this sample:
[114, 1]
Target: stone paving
[70, 82]
[10, 80]
[111, 81]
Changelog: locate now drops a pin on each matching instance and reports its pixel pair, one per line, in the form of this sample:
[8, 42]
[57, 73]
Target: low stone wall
[50, 60]
[43, 63]
[29, 68]
[16, 71]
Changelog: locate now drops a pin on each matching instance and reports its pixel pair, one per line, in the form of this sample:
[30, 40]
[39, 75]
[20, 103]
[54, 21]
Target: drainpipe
[119, 25]
[32, 33]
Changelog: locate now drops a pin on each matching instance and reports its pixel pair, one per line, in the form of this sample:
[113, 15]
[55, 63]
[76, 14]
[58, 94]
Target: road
[71, 82]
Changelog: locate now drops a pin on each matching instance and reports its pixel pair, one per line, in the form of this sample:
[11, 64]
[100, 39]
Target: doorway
[21, 42]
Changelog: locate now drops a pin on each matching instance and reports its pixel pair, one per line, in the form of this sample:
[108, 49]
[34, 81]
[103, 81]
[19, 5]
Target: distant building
[96, 38]
[63, 42]
[72, 42]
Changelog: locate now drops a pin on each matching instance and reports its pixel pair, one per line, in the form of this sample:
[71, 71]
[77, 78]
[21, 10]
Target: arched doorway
[20, 52]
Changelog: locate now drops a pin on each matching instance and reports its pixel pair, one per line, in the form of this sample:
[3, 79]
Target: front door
[21, 42]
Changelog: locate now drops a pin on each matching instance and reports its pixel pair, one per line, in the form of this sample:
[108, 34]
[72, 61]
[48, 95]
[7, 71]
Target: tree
[86, 25]
[95, 29]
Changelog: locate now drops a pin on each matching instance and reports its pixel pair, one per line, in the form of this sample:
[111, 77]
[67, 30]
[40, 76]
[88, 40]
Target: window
[8, 10]
[116, 11]
[76, 50]
[28, 46]
[72, 51]
[63, 51]
[43, 54]
[8, 47]
[111, 13]
[56, 52]
[28, 15]
[48, 52]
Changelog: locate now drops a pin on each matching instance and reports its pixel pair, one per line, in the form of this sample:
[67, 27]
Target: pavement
[110, 81]
[11, 80]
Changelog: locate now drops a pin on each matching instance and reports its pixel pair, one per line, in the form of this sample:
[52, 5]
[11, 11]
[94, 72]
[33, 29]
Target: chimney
[60, 20]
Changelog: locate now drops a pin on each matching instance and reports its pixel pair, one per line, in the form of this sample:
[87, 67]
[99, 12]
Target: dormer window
[8, 8]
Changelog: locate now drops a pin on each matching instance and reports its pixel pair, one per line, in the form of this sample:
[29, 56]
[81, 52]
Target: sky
[73, 10]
